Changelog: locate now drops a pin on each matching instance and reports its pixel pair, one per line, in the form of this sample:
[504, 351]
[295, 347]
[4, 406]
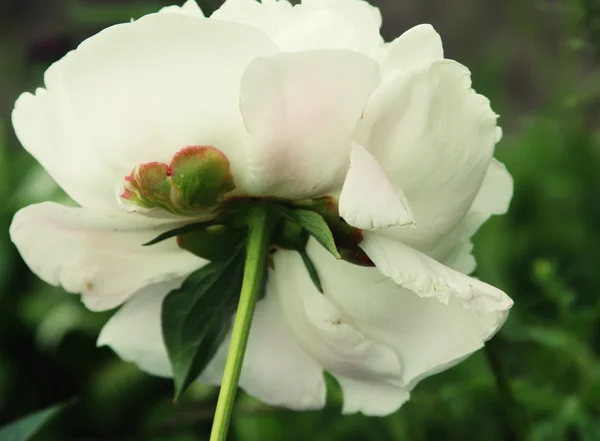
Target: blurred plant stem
[515, 414]
[257, 250]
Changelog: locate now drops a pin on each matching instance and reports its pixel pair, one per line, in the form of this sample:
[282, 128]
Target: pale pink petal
[301, 109]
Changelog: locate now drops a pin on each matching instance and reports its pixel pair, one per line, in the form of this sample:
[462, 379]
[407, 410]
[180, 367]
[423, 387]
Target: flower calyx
[347, 238]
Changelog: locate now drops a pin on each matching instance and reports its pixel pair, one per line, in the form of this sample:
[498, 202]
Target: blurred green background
[539, 63]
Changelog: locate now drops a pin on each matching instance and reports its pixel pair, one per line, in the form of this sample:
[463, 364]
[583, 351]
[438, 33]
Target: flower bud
[201, 176]
[148, 186]
[196, 181]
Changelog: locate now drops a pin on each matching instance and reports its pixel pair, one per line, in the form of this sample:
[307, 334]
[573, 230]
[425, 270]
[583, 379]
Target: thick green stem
[257, 251]
[517, 418]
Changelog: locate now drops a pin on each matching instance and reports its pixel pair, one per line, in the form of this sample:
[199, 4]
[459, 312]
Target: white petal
[301, 109]
[190, 7]
[415, 271]
[418, 45]
[276, 369]
[100, 255]
[369, 199]
[435, 138]
[363, 366]
[268, 16]
[371, 398]
[427, 335]
[496, 191]
[138, 92]
[454, 250]
[352, 25]
[134, 331]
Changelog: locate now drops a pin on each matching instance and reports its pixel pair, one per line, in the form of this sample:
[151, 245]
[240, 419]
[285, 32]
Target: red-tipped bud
[196, 180]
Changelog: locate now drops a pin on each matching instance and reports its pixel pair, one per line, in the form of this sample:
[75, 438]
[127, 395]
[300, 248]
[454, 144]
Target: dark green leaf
[335, 396]
[317, 227]
[312, 270]
[197, 317]
[27, 427]
[189, 228]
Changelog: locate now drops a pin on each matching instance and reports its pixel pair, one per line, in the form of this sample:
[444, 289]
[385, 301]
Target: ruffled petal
[369, 199]
[301, 109]
[363, 366]
[419, 45]
[139, 92]
[427, 335]
[98, 254]
[417, 272]
[435, 138]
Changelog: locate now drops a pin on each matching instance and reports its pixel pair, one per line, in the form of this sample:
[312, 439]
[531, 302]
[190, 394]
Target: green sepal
[196, 318]
[315, 224]
[312, 270]
[346, 236]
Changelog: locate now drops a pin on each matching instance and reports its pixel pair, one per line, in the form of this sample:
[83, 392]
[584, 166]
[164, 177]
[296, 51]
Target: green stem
[257, 251]
[516, 416]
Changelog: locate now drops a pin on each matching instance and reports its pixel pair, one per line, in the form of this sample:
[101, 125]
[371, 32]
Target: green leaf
[189, 228]
[197, 317]
[312, 270]
[27, 427]
[315, 224]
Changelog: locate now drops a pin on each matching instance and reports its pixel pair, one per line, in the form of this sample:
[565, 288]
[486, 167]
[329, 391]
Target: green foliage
[588, 16]
[26, 428]
[196, 317]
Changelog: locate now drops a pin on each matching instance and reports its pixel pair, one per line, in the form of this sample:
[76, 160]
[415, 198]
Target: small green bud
[196, 181]
[201, 176]
[148, 185]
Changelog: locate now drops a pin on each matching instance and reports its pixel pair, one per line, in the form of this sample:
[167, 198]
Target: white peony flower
[304, 101]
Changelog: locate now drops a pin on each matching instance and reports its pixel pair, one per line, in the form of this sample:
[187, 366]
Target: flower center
[198, 184]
